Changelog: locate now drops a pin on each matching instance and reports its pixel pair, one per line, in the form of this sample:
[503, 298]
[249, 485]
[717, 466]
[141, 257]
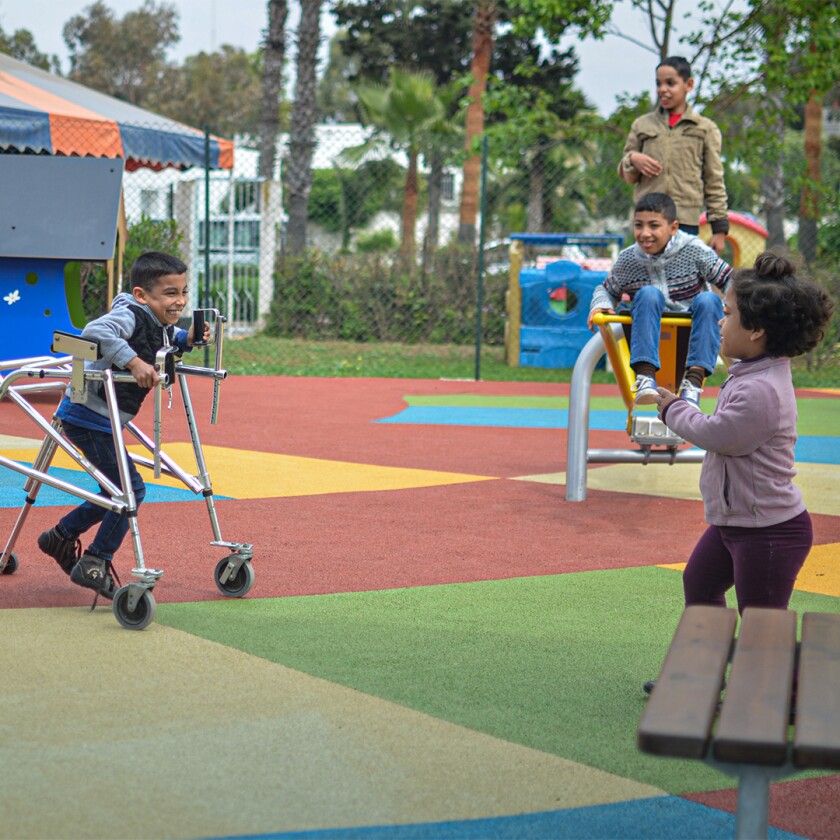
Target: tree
[21, 45]
[403, 111]
[302, 128]
[484, 20]
[792, 56]
[528, 18]
[816, 68]
[220, 90]
[346, 197]
[809, 207]
[123, 58]
[336, 98]
[442, 139]
[432, 36]
[274, 53]
[785, 53]
[529, 105]
[436, 36]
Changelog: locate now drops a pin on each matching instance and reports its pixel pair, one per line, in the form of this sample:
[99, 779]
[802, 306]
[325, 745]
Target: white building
[247, 219]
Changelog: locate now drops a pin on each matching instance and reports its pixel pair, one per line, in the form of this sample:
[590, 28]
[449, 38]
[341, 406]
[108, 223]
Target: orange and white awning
[46, 114]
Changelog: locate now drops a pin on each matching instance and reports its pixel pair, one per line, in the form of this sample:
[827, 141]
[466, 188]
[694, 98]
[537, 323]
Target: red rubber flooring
[343, 542]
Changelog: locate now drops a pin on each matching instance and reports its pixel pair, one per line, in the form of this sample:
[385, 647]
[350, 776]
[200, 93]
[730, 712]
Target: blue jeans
[98, 448]
[647, 309]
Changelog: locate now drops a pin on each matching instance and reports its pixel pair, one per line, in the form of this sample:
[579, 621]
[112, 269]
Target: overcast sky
[607, 68]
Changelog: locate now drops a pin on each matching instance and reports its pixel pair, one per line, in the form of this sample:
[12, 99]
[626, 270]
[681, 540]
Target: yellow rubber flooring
[820, 483]
[820, 574]
[162, 734]
[245, 474]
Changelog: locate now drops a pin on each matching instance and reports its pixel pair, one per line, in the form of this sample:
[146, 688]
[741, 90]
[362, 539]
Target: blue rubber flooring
[12, 495]
[662, 818]
[522, 418]
[809, 450]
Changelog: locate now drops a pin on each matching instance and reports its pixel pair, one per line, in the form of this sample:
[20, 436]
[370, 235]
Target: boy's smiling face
[166, 299]
[653, 231]
[672, 89]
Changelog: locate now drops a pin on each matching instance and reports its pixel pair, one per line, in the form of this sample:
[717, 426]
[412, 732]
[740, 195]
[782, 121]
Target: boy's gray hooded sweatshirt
[112, 330]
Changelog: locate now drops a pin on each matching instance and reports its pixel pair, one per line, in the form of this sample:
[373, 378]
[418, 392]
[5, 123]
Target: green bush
[151, 235]
[145, 235]
[373, 296]
[376, 240]
[343, 199]
[246, 287]
[827, 273]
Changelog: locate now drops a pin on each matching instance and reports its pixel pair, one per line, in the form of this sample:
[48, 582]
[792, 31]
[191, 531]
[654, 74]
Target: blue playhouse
[55, 212]
[549, 295]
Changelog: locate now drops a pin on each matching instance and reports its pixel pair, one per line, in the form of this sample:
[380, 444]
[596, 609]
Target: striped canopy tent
[45, 114]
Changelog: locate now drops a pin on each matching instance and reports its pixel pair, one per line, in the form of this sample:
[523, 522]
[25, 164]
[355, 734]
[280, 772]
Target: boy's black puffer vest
[146, 340]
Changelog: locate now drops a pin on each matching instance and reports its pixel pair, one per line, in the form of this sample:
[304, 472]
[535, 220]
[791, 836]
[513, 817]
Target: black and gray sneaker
[94, 573]
[64, 552]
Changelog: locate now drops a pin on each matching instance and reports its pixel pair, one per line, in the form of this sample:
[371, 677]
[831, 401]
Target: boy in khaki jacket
[674, 150]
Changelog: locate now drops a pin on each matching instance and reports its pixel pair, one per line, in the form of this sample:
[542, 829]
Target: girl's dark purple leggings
[761, 563]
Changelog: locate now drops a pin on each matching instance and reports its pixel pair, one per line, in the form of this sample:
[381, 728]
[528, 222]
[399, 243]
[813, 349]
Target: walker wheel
[144, 611]
[11, 565]
[239, 584]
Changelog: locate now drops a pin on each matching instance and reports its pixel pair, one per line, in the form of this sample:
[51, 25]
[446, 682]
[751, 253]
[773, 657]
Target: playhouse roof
[42, 219]
[47, 114]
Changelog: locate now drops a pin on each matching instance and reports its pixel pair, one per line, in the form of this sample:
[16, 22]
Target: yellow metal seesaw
[655, 442]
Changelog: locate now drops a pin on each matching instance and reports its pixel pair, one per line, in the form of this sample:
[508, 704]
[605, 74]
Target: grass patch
[263, 355]
[555, 663]
[267, 356]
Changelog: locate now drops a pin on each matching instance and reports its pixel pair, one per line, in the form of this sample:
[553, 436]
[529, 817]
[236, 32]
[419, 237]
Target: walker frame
[134, 604]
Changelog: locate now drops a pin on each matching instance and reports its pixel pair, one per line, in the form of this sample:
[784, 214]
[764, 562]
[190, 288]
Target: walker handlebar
[81, 350]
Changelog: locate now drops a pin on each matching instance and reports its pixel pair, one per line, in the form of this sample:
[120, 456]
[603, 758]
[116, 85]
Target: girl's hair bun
[772, 266]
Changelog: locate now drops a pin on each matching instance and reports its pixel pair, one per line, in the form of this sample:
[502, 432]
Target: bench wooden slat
[678, 717]
[753, 723]
[818, 693]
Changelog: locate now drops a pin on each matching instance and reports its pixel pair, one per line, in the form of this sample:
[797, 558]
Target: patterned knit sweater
[685, 268]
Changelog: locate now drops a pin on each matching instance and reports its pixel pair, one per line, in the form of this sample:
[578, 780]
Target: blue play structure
[54, 212]
[548, 305]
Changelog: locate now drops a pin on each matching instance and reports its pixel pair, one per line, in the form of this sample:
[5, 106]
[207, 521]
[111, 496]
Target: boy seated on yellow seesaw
[667, 271]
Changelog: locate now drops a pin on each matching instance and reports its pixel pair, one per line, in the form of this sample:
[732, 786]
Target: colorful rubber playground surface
[437, 644]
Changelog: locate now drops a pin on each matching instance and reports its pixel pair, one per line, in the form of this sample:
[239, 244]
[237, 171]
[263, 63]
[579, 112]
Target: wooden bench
[749, 735]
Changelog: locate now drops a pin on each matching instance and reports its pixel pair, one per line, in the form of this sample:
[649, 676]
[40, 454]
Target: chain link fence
[387, 258]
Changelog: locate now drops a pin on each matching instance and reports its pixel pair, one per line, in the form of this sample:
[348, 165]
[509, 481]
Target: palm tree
[272, 78]
[403, 111]
[484, 22]
[809, 206]
[442, 140]
[302, 127]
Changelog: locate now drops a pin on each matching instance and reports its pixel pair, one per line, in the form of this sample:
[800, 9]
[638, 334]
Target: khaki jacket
[692, 172]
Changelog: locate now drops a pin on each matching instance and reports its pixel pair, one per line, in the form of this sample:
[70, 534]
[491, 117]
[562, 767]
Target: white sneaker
[690, 393]
[645, 390]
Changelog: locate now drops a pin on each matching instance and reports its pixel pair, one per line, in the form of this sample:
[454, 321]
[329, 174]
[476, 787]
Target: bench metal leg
[753, 803]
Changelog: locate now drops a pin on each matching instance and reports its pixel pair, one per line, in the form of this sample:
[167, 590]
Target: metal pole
[206, 295]
[577, 440]
[479, 303]
[752, 818]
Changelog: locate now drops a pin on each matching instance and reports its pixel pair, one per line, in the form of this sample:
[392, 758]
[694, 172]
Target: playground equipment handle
[199, 321]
